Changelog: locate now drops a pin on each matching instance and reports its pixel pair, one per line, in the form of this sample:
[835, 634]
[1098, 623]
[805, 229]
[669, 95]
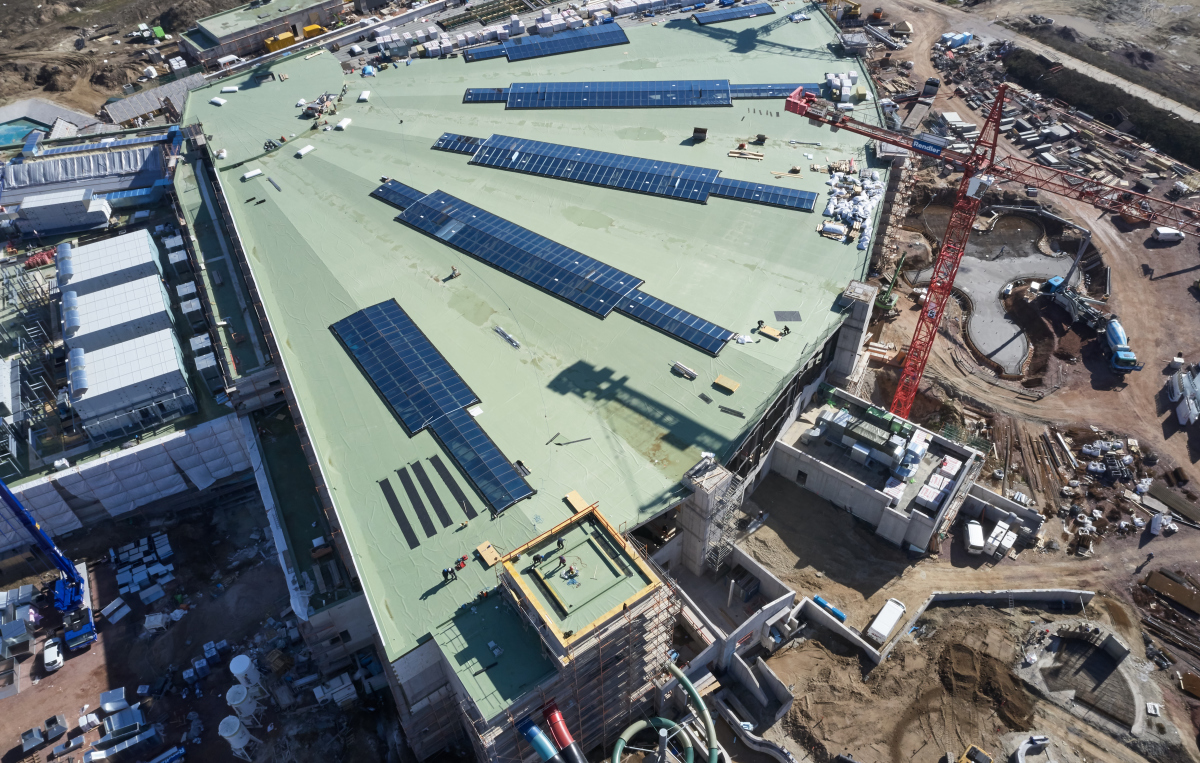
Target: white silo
[244, 704]
[246, 674]
[232, 730]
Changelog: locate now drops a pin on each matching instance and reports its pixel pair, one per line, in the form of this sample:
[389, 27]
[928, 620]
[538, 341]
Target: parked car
[52, 656]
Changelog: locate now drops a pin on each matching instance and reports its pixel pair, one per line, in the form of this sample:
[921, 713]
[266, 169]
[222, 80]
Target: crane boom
[980, 169]
[70, 591]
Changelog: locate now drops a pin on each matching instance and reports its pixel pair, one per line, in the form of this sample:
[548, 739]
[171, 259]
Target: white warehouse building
[108, 263]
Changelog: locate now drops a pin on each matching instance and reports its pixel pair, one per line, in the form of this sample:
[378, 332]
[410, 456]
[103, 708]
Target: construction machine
[72, 594]
[981, 168]
[853, 10]
[974, 754]
[887, 300]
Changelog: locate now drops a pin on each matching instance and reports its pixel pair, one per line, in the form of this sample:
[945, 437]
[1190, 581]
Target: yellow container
[312, 30]
[280, 42]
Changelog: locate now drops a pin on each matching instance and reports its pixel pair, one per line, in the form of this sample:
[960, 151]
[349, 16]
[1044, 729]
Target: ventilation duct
[71, 319]
[79, 382]
[76, 360]
[63, 261]
[70, 300]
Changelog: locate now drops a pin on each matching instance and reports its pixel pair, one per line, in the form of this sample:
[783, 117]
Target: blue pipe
[538, 740]
[839, 614]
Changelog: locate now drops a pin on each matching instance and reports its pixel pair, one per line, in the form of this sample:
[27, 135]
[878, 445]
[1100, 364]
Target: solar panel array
[736, 12]
[675, 321]
[615, 95]
[581, 165]
[586, 283]
[566, 41]
[31, 141]
[485, 95]
[458, 144]
[767, 91]
[676, 181]
[397, 194]
[758, 193]
[424, 391]
[536, 46]
[106, 145]
[471, 55]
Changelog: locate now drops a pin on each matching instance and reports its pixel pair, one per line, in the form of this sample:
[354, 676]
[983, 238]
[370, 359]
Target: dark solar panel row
[485, 94]
[458, 144]
[424, 390]
[485, 465]
[407, 370]
[737, 12]
[567, 41]
[692, 329]
[609, 95]
[767, 91]
[586, 283]
[677, 181]
[397, 194]
[143, 140]
[470, 55]
[758, 193]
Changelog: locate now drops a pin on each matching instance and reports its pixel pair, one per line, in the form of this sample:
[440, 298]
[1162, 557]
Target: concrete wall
[745, 676]
[772, 685]
[839, 488]
[752, 626]
[992, 507]
[755, 477]
[1071, 595]
[770, 586]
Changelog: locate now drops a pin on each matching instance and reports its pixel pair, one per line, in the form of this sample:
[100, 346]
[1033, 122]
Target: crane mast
[981, 169]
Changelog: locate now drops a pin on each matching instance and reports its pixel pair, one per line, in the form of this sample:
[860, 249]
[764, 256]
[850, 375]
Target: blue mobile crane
[72, 594]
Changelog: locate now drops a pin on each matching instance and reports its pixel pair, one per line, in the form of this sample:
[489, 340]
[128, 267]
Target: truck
[974, 754]
[1121, 358]
[885, 622]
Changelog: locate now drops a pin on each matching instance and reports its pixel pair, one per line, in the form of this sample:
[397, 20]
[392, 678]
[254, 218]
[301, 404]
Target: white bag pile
[859, 207]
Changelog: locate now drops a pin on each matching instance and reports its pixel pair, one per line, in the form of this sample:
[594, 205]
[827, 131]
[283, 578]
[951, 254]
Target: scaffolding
[603, 681]
[723, 528]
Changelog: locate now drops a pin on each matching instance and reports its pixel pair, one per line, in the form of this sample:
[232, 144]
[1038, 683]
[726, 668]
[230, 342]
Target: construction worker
[449, 574]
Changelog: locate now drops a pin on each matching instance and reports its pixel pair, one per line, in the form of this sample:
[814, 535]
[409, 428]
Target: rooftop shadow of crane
[754, 38]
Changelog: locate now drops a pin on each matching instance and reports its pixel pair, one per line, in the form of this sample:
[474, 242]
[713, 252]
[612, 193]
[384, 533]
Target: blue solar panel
[609, 95]
[485, 52]
[485, 94]
[407, 370]
[759, 193]
[767, 91]
[107, 145]
[31, 142]
[737, 12]
[567, 41]
[397, 194]
[424, 390]
[677, 181]
[589, 284]
[458, 144]
[692, 329]
[496, 479]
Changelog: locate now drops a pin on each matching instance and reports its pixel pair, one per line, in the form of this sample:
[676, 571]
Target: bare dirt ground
[988, 20]
[950, 688]
[819, 550]
[40, 56]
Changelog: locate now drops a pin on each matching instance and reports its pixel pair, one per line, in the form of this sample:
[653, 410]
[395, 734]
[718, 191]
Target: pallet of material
[739, 153]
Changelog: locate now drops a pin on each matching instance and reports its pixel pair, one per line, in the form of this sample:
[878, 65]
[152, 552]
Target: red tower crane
[981, 169]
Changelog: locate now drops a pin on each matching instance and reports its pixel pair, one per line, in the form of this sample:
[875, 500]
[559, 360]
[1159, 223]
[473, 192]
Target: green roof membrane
[587, 404]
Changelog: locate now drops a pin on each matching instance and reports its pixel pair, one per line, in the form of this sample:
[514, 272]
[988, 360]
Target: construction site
[625, 380]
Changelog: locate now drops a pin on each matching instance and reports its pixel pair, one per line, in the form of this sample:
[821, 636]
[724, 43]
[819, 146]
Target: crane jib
[927, 148]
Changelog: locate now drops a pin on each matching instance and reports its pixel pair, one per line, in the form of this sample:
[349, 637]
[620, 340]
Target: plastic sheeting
[143, 161]
[135, 477]
[299, 597]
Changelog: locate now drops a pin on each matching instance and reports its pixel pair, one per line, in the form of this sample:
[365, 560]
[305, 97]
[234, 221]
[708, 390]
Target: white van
[885, 622]
[1167, 234]
[974, 539]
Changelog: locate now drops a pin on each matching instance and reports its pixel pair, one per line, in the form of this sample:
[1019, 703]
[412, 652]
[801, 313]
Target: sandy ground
[984, 21]
[949, 688]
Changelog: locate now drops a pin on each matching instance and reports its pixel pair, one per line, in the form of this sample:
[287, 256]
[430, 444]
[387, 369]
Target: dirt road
[982, 25]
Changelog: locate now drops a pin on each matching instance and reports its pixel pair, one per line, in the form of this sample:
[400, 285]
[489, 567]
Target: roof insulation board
[321, 249]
